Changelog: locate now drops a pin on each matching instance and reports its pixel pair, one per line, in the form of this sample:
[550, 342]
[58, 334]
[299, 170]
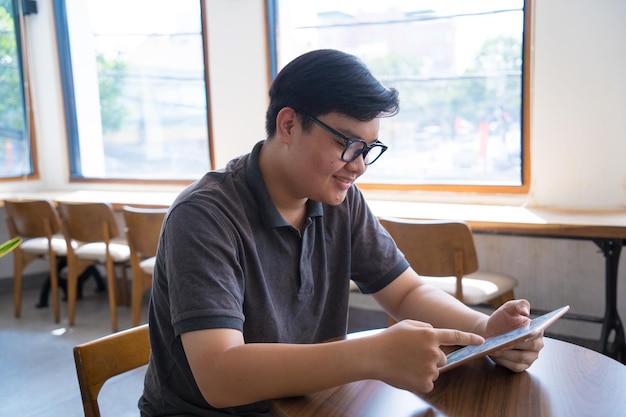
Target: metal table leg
[612, 323]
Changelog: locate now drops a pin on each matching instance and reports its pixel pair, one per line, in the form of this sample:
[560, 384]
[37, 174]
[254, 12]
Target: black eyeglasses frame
[365, 148]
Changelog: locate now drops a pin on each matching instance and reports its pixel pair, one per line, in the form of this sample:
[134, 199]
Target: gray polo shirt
[227, 259]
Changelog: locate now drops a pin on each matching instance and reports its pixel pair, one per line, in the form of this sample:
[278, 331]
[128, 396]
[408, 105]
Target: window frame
[71, 121]
[523, 188]
[22, 8]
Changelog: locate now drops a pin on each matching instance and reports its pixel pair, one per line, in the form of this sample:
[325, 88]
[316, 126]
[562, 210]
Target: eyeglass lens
[356, 148]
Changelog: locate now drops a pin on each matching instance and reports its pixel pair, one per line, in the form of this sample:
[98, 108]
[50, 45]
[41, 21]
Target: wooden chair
[143, 227]
[94, 226]
[443, 253]
[37, 223]
[106, 357]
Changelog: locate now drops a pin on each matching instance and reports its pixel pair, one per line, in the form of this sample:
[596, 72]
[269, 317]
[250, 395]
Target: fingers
[516, 307]
[515, 360]
[534, 342]
[413, 353]
[509, 315]
[522, 307]
[520, 356]
[450, 337]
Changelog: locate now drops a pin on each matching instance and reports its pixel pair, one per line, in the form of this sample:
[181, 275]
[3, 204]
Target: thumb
[523, 308]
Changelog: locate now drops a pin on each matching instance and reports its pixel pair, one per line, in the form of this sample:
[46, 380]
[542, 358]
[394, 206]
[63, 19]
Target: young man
[255, 262]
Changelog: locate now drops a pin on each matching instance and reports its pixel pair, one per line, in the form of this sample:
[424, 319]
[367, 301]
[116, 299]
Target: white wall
[239, 75]
[578, 125]
[578, 137]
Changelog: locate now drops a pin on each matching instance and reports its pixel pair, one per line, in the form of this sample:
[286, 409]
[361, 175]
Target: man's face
[316, 157]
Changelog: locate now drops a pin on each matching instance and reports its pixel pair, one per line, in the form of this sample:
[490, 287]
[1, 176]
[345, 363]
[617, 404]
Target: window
[134, 84]
[15, 142]
[458, 67]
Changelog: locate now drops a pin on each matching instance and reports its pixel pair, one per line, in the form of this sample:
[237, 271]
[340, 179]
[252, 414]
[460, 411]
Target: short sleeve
[204, 277]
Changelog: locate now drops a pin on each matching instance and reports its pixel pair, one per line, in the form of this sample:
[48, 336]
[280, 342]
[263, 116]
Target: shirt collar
[270, 215]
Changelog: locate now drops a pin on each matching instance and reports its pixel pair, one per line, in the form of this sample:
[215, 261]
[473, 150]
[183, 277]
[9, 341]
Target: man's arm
[230, 372]
[409, 297]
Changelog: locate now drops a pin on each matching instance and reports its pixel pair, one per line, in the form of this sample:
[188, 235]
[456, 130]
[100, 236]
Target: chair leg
[112, 290]
[17, 283]
[125, 297]
[72, 283]
[54, 285]
[135, 295]
[20, 261]
[138, 287]
[75, 268]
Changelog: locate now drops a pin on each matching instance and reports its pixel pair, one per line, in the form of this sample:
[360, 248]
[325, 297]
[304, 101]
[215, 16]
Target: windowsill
[393, 206]
[117, 198]
[155, 197]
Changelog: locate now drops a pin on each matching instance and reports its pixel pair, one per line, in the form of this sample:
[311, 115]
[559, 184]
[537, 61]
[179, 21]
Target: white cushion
[39, 245]
[147, 265]
[478, 288]
[97, 251]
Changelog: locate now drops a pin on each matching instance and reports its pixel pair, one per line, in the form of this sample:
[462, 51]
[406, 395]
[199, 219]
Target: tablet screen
[500, 341]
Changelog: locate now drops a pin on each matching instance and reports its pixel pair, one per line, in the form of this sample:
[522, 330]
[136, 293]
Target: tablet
[502, 340]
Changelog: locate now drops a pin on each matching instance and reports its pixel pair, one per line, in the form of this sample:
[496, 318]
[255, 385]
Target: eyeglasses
[354, 147]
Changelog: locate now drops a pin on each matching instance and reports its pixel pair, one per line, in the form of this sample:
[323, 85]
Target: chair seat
[478, 287]
[39, 245]
[147, 265]
[97, 251]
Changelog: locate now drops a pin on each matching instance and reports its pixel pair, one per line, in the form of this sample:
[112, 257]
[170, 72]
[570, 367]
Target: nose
[358, 165]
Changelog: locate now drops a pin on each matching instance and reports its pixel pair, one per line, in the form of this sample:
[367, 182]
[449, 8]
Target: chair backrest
[89, 222]
[143, 227]
[103, 358]
[438, 248]
[32, 218]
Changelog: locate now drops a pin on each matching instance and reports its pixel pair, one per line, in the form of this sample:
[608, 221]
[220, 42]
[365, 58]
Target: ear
[286, 121]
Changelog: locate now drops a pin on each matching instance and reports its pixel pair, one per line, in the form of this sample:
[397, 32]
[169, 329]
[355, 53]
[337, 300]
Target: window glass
[458, 67]
[15, 152]
[134, 84]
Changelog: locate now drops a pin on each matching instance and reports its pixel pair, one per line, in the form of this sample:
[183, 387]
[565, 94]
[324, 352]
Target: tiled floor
[37, 373]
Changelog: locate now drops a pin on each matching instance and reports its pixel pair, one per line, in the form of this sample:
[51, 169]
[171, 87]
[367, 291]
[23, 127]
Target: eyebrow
[351, 135]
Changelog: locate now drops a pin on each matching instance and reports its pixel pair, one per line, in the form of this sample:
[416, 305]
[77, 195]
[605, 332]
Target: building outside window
[458, 66]
[15, 137]
[135, 91]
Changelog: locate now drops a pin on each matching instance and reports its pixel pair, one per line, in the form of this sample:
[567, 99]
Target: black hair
[325, 81]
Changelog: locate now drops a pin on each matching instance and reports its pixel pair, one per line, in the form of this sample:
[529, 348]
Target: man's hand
[410, 353]
[520, 356]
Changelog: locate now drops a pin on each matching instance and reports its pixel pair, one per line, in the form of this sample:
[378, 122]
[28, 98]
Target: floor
[38, 377]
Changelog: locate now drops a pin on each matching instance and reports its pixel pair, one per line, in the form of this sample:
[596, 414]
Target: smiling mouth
[345, 180]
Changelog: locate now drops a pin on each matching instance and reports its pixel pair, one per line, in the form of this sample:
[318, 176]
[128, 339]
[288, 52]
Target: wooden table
[566, 380]
[606, 228]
